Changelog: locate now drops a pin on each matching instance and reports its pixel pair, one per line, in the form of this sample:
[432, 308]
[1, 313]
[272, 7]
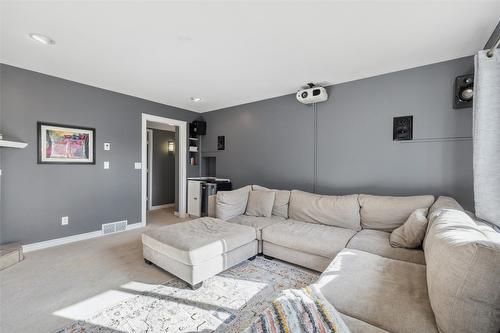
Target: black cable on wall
[315, 174]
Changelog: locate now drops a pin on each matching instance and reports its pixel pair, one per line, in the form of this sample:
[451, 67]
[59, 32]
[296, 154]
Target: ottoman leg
[268, 257]
[147, 261]
[196, 286]
[252, 258]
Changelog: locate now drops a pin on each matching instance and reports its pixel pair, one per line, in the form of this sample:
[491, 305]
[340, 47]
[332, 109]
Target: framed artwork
[63, 144]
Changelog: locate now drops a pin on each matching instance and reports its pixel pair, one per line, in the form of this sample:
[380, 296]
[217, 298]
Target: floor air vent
[109, 228]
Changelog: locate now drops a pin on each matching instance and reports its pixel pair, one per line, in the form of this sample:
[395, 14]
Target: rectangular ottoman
[198, 249]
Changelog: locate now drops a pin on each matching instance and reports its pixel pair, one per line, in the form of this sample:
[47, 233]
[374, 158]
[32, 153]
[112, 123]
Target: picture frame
[65, 144]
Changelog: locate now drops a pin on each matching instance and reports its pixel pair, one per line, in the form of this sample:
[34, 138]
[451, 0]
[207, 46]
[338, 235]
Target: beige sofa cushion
[411, 234]
[231, 203]
[463, 273]
[196, 241]
[389, 294]
[377, 242]
[338, 211]
[258, 223]
[313, 261]
[318, 239]
[387, 213]
[281, 200]
[260, 203]
[443, 203]
[359, 326]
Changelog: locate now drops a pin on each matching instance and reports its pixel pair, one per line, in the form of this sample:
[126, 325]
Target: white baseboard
[134, 226]
[184, 215]
[72, 239]
[162, 206]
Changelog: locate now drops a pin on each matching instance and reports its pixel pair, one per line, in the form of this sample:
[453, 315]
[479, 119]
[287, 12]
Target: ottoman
[198, 249]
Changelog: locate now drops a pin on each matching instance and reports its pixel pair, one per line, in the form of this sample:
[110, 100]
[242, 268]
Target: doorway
[162, 174]
[177, 149]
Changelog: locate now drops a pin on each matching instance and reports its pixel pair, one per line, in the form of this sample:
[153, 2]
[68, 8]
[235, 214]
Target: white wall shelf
[7, 143]
[194, 150]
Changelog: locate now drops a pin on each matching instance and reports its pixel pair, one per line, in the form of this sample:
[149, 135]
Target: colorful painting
[65, 144]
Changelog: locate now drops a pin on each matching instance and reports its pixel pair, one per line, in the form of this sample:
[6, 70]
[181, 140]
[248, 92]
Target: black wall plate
[221, 142]
[402, 128]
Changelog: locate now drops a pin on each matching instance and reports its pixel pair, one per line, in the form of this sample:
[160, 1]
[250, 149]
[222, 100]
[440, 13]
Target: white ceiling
[230, 53]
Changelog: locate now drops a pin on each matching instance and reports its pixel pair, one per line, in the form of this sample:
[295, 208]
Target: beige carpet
[163, 216]
[55, 286]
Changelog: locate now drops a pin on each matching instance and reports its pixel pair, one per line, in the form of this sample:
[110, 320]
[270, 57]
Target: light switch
[107, 146]
[138, 165]
[106, 164]
[64, 220]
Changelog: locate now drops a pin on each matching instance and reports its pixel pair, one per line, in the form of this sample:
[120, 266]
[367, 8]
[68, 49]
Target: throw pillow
[231, 203]
[260, 203]
[411, 234]
[281, 200]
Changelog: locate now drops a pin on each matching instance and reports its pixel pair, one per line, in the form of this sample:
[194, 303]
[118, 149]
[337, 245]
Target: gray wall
[268, 142]
[163, 177]
[271, 142]
[34, 197]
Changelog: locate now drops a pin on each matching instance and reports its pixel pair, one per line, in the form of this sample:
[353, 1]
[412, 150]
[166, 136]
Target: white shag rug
[228, 302]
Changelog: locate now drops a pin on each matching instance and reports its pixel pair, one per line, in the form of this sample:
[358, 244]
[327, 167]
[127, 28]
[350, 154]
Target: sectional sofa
[450, 284]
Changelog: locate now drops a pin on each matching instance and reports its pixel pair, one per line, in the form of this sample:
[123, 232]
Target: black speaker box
[198, 127]
[464, 90]
[402, 128]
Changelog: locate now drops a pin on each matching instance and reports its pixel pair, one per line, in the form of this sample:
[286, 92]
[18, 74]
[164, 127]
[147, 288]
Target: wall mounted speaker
[464, 90]
[402, 128]
[198, 127]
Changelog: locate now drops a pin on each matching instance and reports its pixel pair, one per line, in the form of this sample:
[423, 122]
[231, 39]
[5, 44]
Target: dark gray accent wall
[163, 176]
[35, 197]
[271, 142]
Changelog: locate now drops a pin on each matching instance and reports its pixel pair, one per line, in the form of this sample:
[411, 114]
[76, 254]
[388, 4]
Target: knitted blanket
[299, 310]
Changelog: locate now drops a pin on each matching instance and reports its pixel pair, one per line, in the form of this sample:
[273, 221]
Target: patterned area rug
[228, 302]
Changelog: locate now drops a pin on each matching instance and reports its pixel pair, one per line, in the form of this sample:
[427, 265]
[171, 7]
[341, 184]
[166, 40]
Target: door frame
[149, 168]
[182, 125]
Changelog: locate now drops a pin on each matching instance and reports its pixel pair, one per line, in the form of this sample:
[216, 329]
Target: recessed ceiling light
[196, 99]
[46, 40]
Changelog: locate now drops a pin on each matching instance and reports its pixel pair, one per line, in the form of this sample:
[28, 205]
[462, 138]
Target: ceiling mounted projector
[312, 94]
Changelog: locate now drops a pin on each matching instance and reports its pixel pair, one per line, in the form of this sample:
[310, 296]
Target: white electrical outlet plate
[137, 165]
[107, 146]
[64, 220]
[106, 164]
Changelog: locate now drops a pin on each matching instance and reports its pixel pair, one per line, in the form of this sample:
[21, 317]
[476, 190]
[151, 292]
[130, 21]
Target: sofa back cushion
[463, 273]
[387, 213]
[260, 203]
[340, 211]
[281, 200]
[231, 203]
